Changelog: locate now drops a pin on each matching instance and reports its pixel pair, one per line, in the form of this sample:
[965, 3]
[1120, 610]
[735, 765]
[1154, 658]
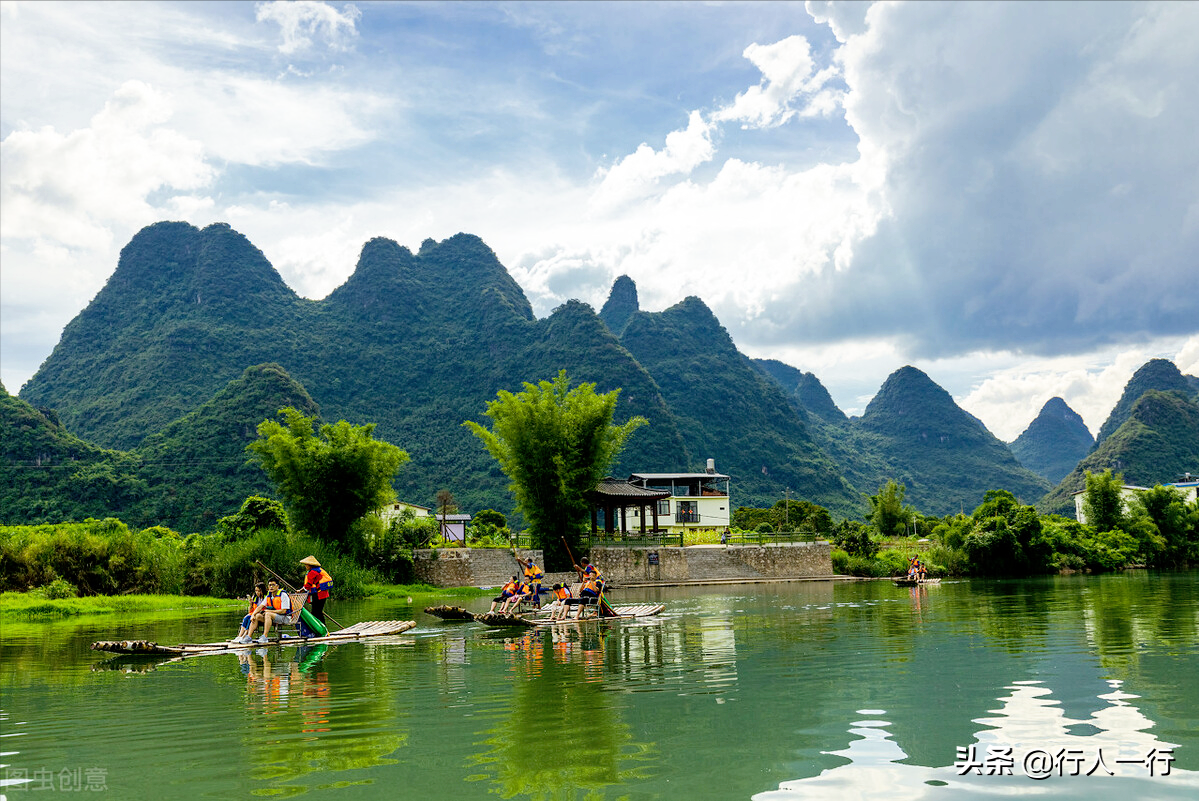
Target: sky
[1005, 195]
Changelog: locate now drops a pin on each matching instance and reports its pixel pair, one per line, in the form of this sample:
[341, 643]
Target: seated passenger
[275, 609]
[562, 599]
[255, 599]
[506, 592]
[523, 593]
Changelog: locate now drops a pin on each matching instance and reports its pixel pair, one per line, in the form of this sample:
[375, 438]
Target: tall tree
[555, 444]
[329, 479]
[1103, 502]
[888, 514]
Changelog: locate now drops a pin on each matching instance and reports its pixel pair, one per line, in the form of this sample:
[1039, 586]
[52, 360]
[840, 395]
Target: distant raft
[911, 582]
[449, 612]
[358, 631]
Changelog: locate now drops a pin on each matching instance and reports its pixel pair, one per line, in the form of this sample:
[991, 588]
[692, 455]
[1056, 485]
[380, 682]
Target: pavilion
[612, 494]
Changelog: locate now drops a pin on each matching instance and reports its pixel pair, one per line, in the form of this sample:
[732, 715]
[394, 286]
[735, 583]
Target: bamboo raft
[449, 612]
[542, 618]
[622, 613]
[358, 631]
[910, 582]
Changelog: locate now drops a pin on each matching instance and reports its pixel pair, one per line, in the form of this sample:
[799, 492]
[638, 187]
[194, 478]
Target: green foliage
[786, 515]
[888, 514]
[388, 549]
[490, 517]
[886, 563]
[486, 535]
[1103, 502]
[99, 557]
[413, 532]
[256, 513]
[764, 528]
[329, 481]
[218, 568]
[1164, 512]
[1110, 550]
[555, 444]
[1005, 538]
[56, 590]
[854, 538]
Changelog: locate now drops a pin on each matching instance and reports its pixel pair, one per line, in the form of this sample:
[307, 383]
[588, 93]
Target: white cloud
[1012, 395]
[74, 187]
[787, 72]
[639, 173]
[303, 21]
[260, 122]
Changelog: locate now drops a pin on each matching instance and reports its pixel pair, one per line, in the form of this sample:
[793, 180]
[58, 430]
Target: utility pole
[787, 507]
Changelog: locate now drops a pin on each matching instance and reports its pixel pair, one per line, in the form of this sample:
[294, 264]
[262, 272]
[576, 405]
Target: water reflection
[563, 737]
[1029, 748]
[297, 727]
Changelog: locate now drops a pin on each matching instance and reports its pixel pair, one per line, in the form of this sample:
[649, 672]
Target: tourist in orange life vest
[562, 602]
[318, 583]
[255, 599]
[511, 588]
[590, 576]
[274, 608]
[524, 591]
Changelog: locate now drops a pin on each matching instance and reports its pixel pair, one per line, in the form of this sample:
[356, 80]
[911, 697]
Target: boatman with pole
[533, 577]
[317, 582]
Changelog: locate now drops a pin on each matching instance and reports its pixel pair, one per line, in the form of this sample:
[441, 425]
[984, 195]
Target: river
[1060, 687]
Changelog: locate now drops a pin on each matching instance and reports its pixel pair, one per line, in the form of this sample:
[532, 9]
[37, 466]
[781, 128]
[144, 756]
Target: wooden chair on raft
[298, 599]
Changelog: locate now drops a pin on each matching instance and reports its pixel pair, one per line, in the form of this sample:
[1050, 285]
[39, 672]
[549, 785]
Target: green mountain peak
[1054, 441]
[1159, 374]
[621, 305]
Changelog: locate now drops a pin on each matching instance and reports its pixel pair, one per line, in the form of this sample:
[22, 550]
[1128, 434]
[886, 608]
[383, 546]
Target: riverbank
[24, 607]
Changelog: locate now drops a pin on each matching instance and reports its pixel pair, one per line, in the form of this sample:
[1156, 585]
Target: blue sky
[1005, 195]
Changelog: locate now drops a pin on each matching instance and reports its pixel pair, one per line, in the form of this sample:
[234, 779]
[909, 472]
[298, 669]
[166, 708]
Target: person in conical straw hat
[318, 583]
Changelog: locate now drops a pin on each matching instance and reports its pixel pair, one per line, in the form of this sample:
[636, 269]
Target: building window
[664, 507]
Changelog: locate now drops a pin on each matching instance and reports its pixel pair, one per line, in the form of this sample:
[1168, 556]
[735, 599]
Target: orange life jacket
[276, 601]
[318, 581]
[562, 593]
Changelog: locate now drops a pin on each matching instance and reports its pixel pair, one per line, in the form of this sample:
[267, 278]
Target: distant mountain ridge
[419, 342]
[1054, 441]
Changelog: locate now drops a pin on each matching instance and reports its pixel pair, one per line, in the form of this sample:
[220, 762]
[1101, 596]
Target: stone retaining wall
[790, 560]
[491, 567]
[468, 567]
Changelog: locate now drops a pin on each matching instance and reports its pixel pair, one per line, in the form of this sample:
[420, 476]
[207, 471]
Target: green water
[830, 690]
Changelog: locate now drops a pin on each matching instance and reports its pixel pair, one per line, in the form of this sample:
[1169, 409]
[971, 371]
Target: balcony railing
[686, 516]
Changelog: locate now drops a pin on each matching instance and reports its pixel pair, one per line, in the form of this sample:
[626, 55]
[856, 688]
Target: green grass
[16, 607]
[24, 606]
[423, 593]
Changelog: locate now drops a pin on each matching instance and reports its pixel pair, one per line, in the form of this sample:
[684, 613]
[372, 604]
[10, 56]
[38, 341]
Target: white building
[696, 501]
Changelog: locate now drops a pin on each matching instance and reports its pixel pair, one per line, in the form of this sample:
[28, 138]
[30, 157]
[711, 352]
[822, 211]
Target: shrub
[99, 557]
[490, 517]
[854, 538]
[256, 514]
[56, 590]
